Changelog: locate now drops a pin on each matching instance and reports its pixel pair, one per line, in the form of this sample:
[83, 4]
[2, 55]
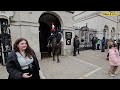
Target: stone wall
[26, 24]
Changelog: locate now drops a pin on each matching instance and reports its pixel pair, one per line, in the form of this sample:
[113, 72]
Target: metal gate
[85, 36]
[5, 41]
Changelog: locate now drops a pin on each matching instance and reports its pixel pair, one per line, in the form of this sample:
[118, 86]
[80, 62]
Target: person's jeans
[74, 51]
[98, 45]
[78, 49]
[103, 48]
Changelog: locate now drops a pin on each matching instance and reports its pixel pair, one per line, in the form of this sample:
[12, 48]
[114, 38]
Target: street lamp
[86, 35]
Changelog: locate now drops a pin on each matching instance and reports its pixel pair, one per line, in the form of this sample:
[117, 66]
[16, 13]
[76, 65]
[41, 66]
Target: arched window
[113, 32]
[105, 31]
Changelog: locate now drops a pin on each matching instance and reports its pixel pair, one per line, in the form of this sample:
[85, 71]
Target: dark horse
[54, 42]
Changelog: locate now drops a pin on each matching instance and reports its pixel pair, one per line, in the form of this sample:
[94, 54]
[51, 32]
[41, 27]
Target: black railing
[5, 41]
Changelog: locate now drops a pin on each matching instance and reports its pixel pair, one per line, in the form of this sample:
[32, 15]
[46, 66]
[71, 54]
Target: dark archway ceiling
[48, 19]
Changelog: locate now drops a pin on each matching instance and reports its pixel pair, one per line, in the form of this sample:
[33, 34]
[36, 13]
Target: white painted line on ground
[90, 73]
[83, 61]
[41, 75]
[94, 56]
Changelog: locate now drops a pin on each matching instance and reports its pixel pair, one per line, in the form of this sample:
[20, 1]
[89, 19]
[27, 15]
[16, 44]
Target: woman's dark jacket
[14, 69]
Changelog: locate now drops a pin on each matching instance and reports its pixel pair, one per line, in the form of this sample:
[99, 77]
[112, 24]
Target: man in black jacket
[78, 44]
[75, 45]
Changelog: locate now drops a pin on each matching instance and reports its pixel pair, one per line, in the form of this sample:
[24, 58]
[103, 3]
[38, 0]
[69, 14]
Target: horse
[54, 41]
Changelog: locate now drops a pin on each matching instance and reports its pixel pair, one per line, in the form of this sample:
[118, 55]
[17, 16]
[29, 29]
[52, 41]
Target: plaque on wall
[68, 41]
[68, 35]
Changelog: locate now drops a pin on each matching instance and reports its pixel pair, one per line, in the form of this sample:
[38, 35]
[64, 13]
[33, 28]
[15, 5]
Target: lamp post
[86, 36]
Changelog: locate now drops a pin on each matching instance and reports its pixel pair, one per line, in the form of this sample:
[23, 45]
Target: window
[113, 32]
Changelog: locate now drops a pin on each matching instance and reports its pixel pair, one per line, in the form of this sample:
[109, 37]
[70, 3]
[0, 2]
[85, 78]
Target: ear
[17, 46]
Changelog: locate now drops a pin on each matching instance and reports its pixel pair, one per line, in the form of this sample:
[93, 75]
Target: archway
[45, 22]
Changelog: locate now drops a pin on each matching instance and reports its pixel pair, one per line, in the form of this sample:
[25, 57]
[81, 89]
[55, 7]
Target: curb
[41, 75]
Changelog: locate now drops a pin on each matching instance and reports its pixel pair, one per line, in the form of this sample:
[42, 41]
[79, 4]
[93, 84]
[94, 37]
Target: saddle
[58, 39]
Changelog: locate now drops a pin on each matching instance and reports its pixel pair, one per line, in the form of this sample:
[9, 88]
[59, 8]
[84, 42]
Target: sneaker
[112, 75]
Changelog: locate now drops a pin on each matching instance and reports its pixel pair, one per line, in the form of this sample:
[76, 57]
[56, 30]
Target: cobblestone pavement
[87, 65]
[3, 72]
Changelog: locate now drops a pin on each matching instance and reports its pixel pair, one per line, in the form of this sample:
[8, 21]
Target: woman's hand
[26, 75]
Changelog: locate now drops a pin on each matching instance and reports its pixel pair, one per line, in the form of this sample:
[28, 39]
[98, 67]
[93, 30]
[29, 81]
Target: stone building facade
[107, 26]
[30, 25]
[98, 24]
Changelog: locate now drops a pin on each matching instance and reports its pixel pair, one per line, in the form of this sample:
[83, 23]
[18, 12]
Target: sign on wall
[68, 36]
[68, 41]
[112, 13]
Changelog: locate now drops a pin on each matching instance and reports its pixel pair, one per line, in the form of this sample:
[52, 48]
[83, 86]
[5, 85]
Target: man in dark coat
[75, 45]
[103, 43]
[93, 43]
[118, 43]
[78, 44]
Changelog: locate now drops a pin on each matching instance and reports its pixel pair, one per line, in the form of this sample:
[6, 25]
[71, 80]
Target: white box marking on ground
[90, 73]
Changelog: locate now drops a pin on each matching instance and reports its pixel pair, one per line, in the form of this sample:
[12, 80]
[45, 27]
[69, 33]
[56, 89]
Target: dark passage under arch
[45, 22]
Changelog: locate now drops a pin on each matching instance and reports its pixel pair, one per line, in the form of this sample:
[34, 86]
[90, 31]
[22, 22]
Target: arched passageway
[45, 22]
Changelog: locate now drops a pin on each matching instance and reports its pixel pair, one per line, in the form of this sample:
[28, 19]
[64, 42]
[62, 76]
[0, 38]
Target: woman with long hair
[22, 62]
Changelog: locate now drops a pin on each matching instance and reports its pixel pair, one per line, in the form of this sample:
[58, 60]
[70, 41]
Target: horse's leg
[53, 52]
[53, 56]
[58, 56]
[50, 52]
[58, 59]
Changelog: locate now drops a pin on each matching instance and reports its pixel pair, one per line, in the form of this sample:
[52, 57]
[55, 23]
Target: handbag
[31, 68]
